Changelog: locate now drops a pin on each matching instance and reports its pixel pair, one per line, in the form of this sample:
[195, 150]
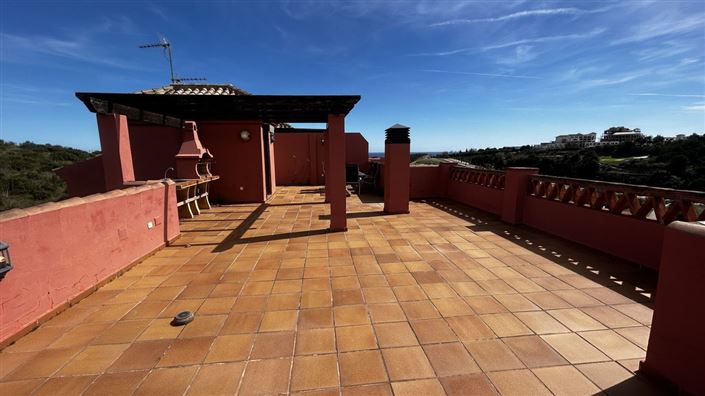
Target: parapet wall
[62, 251]
[626, 221]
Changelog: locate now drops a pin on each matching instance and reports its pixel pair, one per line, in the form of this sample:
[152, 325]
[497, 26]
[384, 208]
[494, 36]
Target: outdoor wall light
[5, 262]
[245, 135]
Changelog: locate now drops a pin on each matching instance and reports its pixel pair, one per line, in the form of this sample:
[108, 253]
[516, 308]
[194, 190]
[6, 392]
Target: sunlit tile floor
[444, 300]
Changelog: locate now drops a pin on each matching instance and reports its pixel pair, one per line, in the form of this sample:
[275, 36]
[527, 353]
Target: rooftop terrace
[444, 300]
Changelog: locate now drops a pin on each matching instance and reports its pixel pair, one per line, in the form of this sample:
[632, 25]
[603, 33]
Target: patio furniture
[353, 176]
[370, 178]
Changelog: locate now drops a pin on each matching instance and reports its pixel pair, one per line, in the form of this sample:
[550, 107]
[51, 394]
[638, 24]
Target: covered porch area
[145, 135]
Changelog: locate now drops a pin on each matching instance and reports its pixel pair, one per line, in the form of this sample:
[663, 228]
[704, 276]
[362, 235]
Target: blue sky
[461, 74]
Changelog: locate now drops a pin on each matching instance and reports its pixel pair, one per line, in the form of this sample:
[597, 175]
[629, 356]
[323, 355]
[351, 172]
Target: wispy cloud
[520, 14]
[664, 50]
[662, 25]
[32, 101]
[601, 82]
[695, 107]
[22, 48]
[158, 11]
[444, 53]
[523, 42]
[668, 95]
[481, 74]
[521, 54]
[544, 39]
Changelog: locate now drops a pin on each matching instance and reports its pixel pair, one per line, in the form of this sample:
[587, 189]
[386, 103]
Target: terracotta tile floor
[443, 300]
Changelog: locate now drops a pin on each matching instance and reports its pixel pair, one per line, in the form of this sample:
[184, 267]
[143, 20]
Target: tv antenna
[166, 45]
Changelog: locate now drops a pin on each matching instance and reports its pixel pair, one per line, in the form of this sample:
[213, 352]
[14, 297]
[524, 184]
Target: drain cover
[182, 318]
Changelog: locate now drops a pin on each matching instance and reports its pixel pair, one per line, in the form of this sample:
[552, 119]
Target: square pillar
[397, 146]
[326, 163]
[676, 349]
[116, 150]
[335, 171]
[516, 188]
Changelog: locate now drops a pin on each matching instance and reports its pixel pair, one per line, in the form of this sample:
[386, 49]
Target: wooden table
[192, 195]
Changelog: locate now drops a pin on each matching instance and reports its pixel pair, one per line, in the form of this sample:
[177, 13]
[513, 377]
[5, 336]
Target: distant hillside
[653, 161]
[26, 178]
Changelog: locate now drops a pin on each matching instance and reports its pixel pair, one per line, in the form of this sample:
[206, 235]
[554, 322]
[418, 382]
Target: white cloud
[695, 107]
[665, 50]
[21, 49]
[544, 39]
[667, 95]
[661, 25]
[481, 74]
[520, 14]
[444, 53]
[523, 42]
[521, 54]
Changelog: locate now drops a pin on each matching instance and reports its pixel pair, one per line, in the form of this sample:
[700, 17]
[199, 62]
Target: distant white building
[625, 135]
[579, 140]
[573, 140]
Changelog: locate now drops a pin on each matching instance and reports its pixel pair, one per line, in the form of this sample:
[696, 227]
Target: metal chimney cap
[398, 126]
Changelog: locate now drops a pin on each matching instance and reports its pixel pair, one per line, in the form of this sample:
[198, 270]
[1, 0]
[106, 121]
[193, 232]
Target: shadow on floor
[313, 191]
[236, 235]
[370, 198]
[630, 280]
[357, 215]
[303, 204]
[637, 385]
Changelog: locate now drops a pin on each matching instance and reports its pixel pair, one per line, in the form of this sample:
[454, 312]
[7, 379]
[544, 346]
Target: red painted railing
[662, 205]
[482, 177]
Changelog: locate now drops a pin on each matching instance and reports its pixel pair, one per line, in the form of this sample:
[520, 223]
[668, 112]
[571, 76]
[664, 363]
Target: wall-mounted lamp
[5, 262]
[245, 135]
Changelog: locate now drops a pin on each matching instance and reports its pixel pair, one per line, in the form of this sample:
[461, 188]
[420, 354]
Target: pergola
[174, 110]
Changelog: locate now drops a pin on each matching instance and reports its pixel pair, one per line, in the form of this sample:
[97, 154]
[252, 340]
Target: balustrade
[663, 205]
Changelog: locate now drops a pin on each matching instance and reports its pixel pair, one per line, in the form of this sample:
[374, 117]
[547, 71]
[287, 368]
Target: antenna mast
[163, 43]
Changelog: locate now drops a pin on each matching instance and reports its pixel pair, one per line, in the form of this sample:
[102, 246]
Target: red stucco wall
[299, 156]
[424, 182]
[480, 197]
[83, 178]
[296, 158]
[635, 240]
[239, 163]
[272, 166]
[153, 150]
[356, 149]
[62, 250]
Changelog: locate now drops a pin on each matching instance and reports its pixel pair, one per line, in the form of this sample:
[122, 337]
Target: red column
[396, 169]
[516, 188]
[171, 212]
[314, 141]
[676, 350]
[116, 151]
[326, 160]
[335, 171]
